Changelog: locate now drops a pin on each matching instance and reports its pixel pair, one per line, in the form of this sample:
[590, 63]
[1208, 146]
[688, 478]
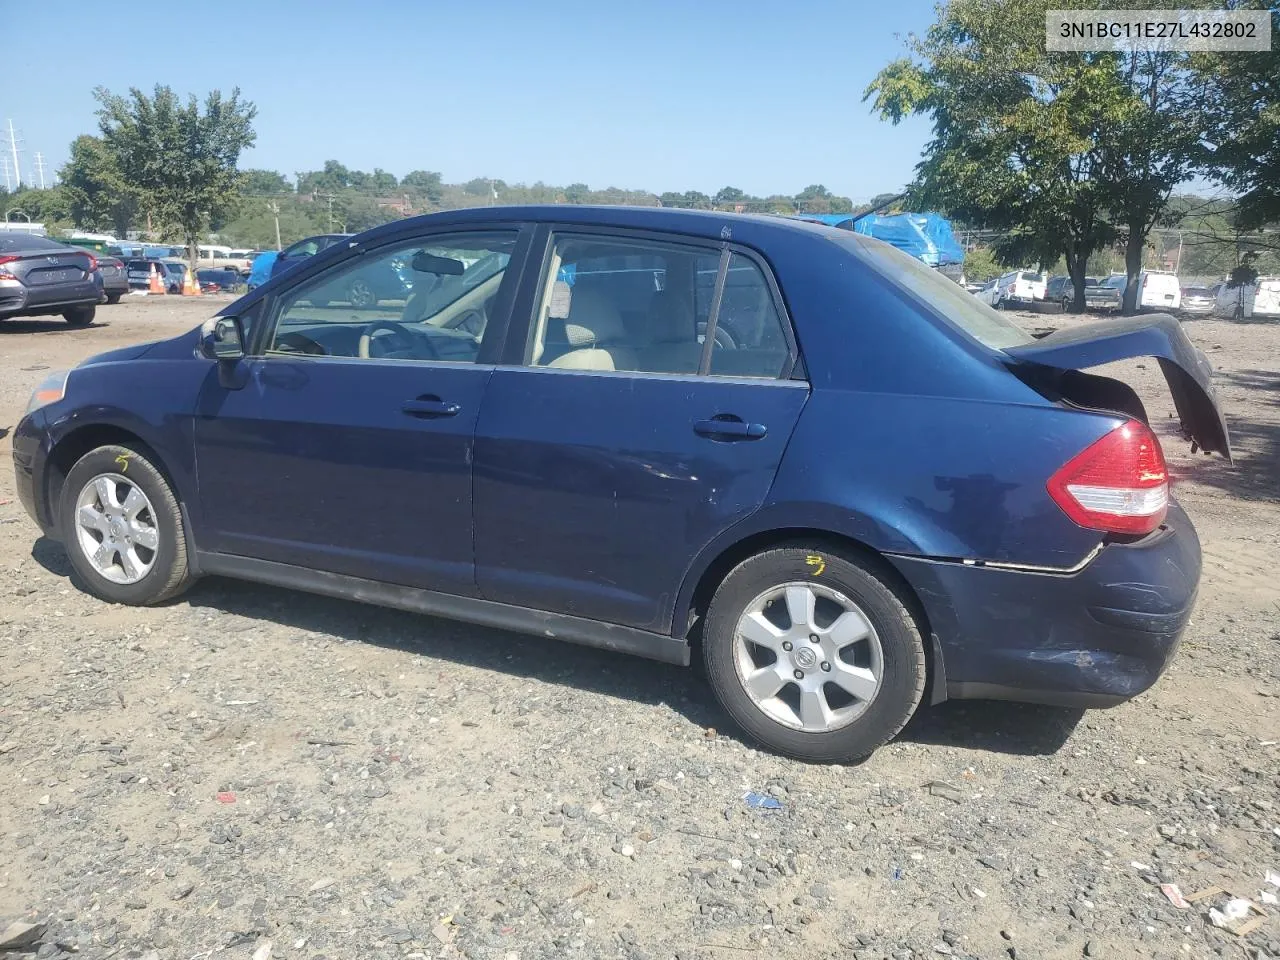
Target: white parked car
[1157, 289]
[1016, 287]
[1261, 299]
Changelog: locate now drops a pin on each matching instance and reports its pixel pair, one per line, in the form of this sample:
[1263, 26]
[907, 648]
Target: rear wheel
[79, 316]
[113, 298]
[122, 528]
[360, 295]
[814, 654]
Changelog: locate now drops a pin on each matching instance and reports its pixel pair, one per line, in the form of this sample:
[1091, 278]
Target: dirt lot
[248, 765]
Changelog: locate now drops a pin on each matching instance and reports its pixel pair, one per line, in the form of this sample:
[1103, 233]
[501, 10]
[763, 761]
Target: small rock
[376, 788]
[1091, 949]
[571, 810]
[47, 950]
[627, 850]
[183, 891]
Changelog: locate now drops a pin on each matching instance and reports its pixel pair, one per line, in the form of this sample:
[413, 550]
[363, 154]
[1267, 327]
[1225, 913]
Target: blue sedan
[791, 450]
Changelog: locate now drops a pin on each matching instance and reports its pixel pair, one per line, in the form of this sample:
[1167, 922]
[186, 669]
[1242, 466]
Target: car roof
[701, 223]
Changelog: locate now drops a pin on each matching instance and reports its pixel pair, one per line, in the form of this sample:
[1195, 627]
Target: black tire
[113, 298]
[170, 573]
[866, 584]
[79, 316]
[360, 294]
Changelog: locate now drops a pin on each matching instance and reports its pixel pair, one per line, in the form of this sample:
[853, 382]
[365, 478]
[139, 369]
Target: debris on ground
[761, 801]
[20, 935]
[1174, 896]
[948, 791]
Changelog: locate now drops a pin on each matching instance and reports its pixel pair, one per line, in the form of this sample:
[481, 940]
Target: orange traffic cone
[190, 287]
[153, 282]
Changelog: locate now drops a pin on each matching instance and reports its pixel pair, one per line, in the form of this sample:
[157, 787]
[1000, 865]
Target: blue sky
[664, 95]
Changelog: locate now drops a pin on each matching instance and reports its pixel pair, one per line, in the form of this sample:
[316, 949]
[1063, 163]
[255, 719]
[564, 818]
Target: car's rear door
[611, 447]
[345, 443]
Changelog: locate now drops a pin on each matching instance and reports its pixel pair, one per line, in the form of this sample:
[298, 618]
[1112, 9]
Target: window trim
[499, 323]
[528, 303]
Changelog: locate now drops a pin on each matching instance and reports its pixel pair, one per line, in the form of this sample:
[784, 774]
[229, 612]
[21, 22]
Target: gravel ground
[248, 766]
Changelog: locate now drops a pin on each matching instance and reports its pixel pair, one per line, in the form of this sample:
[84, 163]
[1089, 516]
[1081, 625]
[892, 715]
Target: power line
[8, 182]
[13, 147]
[40, 168]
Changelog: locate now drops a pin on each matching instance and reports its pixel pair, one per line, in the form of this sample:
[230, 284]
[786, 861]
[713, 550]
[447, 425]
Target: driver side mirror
[224, 340]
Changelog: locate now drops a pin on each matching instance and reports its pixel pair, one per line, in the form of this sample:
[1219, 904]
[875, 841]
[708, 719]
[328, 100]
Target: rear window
[1032, 277]
[1196, 292]
[946, 297]
[27, 241]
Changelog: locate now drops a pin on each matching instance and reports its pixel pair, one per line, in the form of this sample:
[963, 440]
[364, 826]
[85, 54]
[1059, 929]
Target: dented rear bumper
[1092, 638]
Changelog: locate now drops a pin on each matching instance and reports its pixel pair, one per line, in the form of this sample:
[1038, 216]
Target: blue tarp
[926, 236]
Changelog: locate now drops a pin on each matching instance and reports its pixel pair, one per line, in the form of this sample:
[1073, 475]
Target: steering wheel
[403, 339]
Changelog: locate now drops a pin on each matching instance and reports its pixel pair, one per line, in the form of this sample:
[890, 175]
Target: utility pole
[274, 207]
[40, 168]
[330, 198]
[8, 184]
[13, 146]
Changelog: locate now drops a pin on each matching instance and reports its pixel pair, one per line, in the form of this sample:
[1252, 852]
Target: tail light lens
[93, 263]
[1118, 484]
[6, 274]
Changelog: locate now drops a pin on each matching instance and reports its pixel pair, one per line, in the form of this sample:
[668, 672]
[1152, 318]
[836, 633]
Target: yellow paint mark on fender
[123, 460]
[815, 561]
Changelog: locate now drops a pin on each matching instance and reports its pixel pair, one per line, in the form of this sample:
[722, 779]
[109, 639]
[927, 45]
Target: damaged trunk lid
[1185, 368]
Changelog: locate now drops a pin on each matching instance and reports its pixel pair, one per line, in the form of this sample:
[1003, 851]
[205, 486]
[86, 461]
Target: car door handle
[430, 407]
[729, 428]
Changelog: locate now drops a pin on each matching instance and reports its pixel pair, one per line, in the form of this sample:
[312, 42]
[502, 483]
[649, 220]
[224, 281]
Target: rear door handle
[430, 407]
[729, 428]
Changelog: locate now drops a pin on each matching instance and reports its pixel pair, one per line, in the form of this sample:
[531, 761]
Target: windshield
[1116, 283]
[946, 297]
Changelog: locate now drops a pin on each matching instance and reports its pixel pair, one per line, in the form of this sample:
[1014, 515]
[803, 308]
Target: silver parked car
[1199, 301]
[41, 277]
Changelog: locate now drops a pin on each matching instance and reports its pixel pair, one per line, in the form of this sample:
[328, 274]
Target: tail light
[1118, 484]
[5, 274]
[93, 263]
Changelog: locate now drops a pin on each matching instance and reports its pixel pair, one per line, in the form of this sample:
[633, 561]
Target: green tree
[1239, 97]
[729, 196]
[577, 193]
[98, 195]
[334, 177]
[980, 265]
[1061, 152]
[181, 157]
[51, 206]
[424, 182]
[264, 183]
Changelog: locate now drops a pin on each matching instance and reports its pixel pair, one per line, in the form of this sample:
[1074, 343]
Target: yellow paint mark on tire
[818, 564]
[123, 460]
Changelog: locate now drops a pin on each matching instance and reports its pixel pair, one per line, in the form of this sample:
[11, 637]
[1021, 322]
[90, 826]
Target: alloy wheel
[808, 657]
[116, 528]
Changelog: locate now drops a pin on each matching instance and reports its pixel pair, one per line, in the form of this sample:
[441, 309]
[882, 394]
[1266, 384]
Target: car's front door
[345, 443]
[619, 447]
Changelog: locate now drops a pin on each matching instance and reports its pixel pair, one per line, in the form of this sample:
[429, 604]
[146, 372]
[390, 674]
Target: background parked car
[295, 253]
[260, 272]
[1017, 287]
[1197, 300]
[1097, 296]
[1249, 300]
[114, 282]
[171, 273]
[1158, 289]
[39, 277]
[218, 281]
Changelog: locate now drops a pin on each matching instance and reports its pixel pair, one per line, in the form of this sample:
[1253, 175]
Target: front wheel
[122, 528]
[814, 654]
[360, 295]
[79, 316]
